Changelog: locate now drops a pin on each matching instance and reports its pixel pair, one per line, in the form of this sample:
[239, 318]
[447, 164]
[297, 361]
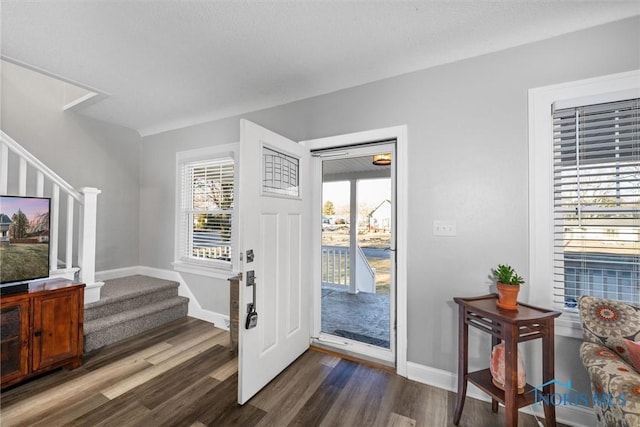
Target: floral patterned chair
[605, 325]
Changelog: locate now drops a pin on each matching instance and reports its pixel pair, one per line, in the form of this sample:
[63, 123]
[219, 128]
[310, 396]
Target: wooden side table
[511, 326]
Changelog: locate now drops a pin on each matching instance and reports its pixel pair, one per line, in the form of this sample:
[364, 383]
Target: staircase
[129, 306]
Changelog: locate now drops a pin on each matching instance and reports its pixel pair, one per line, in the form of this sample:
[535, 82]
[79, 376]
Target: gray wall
[466, 120]
[84, 152]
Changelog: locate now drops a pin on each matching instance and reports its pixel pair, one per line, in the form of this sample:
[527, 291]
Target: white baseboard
[577, 416]
[117, 273]
[195, 310]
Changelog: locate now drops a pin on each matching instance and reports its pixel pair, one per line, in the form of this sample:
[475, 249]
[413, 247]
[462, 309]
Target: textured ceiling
[168, 64]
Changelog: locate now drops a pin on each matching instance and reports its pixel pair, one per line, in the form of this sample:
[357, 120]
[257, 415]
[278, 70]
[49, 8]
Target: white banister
[22, 181]
[54, 219]
[4, 168]
[38, 165]
[87, 248]
[365, 273]
[81, 213]
[39, 184]
[337, 271]
[68, 259]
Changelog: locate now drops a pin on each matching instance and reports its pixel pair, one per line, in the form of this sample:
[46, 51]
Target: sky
[31, 207]
[370, 192]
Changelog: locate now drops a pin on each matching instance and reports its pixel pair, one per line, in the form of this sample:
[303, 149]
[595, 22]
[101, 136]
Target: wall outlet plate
[444, 228]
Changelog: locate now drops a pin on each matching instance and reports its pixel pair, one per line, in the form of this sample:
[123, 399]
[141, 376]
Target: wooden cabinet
[14, 338]
[42, 329]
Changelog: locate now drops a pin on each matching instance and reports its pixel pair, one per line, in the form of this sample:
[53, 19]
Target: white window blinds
[207, 210]
[597, 202]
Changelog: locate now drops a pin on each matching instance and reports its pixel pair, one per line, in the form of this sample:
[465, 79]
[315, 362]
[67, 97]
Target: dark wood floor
[183, 374]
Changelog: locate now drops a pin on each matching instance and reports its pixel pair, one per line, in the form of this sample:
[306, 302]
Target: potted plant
[508, 283]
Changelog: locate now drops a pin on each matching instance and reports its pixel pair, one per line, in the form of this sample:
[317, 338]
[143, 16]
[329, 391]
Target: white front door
[275, 225]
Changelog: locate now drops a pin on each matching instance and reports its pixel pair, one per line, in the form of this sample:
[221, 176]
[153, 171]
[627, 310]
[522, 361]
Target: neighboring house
[380, 217]
[5, 224]
[42, 236]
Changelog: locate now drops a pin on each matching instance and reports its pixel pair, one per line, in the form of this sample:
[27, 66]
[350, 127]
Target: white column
[353, 236]
[53, 228]
[22, 177]
[87, 249]
[39, 184]
[68, 259]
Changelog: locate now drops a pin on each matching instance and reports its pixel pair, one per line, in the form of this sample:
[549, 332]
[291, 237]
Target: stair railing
[81, 208]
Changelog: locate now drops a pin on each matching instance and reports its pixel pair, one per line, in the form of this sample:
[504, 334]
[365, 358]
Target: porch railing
[336, 268]
[78, 206]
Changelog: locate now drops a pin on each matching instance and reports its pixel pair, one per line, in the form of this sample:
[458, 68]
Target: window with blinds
[596, 190]
[206, 211]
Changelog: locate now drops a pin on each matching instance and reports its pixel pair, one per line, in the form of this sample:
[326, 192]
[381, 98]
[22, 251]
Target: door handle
[252, 314]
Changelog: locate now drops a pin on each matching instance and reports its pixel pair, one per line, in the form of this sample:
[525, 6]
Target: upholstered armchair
[614, 381]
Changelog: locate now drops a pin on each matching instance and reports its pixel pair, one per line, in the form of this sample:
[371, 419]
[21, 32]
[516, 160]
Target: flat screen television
[24, 241]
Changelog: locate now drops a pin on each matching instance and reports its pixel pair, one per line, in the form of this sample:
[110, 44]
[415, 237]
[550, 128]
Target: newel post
[87, 249]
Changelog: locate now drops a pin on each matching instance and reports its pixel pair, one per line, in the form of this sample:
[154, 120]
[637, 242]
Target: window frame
[209, 268]
[583, 92]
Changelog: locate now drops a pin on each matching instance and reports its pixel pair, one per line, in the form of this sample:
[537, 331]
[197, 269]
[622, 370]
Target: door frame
[399, 133]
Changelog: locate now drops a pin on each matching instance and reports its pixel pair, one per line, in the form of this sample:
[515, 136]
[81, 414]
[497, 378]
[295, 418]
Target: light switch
[444, 228]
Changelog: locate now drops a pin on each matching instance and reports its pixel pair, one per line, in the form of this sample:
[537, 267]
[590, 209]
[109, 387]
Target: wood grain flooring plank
[477, 413]
[344, 409]
[120, 412]
[437, 405]
[158, 390]
[396, 420]
[153, 371]
[220, 408]
[39, 385]
[177, 349]
[330, 361]
[288, 382]
[214, 398]
[362, 399]
[183, 408]
[58, 415]
[125, 348]
[223, 372]
[301, 380]
[82, 385]
[412, 402]
[320, 402]
[191, 330]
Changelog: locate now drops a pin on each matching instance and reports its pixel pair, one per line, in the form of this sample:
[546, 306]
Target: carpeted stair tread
[116, 290]
[109, 321]
[129, 306]
[116, 328]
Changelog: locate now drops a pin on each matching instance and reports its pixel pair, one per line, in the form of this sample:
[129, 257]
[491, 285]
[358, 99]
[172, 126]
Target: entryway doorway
[331, 148]
[357, 302]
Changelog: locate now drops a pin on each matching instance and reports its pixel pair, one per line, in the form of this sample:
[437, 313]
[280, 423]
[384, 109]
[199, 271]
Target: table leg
[511, 376]
[463, 355]
[548, 367]
[494, 342]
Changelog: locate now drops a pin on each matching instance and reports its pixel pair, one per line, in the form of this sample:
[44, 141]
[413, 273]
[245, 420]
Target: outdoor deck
[363, 317]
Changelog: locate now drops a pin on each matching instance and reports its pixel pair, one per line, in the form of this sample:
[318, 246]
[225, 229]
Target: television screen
[24, 238]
